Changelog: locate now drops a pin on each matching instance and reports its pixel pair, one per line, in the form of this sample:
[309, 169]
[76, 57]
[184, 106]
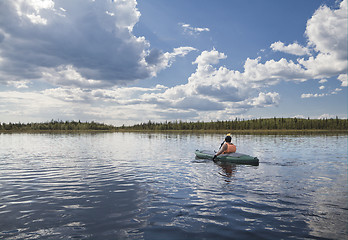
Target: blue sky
[126, 62]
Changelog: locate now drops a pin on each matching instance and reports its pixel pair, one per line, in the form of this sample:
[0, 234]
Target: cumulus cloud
[213, 89]
[105, 105]
[22, 106]
[53, 42]
[326, 31]
[216, 88]
[115, 95]
[157, 61]
[208, 89]
[294, 48]
[266, 99]
[343, 79]
[209, 57]
[65, 43]
[326, 57]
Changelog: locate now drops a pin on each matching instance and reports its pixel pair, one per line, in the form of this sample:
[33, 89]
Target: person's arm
[224, 148]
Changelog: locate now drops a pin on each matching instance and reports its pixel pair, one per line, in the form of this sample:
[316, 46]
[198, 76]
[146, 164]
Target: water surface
[151, 186]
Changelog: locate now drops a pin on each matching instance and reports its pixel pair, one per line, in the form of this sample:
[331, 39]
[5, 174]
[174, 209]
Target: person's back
[231, 148]
[227, 147]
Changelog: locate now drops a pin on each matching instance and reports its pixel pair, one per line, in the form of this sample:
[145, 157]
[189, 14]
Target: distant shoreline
[268, 126]
[256, 131]
[242, 132]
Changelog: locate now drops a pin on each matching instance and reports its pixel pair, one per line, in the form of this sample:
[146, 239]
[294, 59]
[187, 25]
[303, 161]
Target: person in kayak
[227, 147]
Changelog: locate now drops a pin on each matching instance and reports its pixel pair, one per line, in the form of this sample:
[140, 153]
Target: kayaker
[227, 147]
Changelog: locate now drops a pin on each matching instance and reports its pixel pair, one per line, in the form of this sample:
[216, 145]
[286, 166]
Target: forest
[252, 124]
[56, 126]
[261, 124]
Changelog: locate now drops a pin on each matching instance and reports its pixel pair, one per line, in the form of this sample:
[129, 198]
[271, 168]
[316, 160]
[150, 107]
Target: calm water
[150, 186]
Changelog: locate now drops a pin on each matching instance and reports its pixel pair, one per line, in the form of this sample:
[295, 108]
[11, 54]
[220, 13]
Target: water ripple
[88, 186]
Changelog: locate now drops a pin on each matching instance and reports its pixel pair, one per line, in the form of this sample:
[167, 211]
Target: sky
[127, 61]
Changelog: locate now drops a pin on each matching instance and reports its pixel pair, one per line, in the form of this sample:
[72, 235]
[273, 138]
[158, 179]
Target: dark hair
[228, 139]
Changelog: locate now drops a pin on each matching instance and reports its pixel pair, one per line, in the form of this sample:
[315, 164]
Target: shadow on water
[228, 170]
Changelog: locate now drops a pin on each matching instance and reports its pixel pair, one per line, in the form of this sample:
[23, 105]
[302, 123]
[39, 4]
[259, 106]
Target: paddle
[221, 145]
[228, 134]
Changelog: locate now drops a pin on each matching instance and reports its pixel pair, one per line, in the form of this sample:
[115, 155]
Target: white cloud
[220, 87]
[63, 50]
[19, 84]
[319, 67]
[70, 54]
[336, 90]
[326, 115]
[68, 94]
[126, 14]
[208, 89]
[110, 13]
[312, 95]
[31, 9]
[76, 46]
[68, 75]
[327, 34]
[266, 99]
[316, 95]
[322, 87]
[343, 79]
[299, 116]
[157, 61]
[193, 30]
[271, 72]
[82, 104]
[115, 95]
[294, 48]
[23, 106]
[197, 103]
[37, 19]
[213, 89]
[209, 57]
[327, 31]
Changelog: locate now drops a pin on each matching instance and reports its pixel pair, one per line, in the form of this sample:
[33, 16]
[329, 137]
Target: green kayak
[239, 158]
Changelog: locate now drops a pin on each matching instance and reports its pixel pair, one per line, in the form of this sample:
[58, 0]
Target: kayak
[239, 158]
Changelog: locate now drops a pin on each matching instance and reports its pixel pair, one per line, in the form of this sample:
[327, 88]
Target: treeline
[280, 124]
[241, 124]
[56, 126]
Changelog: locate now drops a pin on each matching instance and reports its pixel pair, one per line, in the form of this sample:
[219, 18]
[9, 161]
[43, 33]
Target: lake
[151, 186]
